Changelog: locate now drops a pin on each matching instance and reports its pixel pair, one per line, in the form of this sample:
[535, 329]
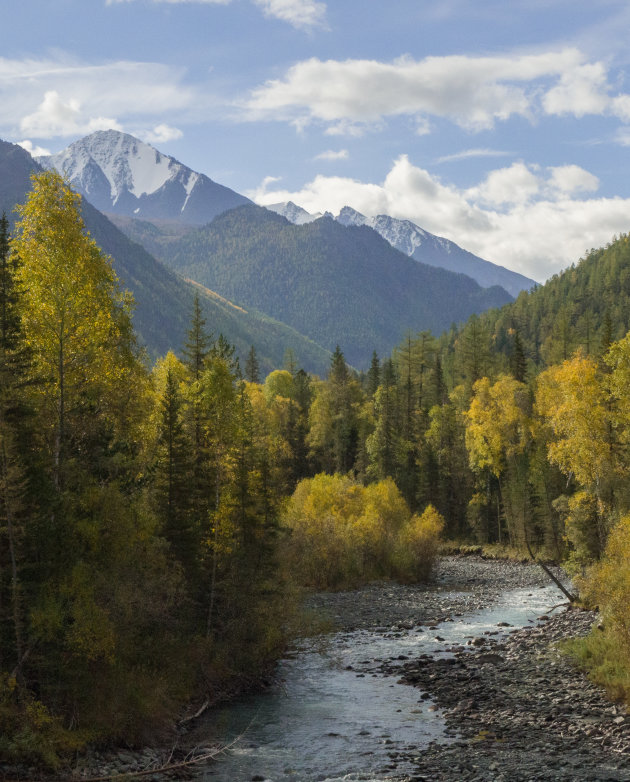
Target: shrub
[343, 534]
[605, 653]
[418, 544]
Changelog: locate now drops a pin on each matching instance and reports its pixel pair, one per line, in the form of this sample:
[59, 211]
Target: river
[330, 716]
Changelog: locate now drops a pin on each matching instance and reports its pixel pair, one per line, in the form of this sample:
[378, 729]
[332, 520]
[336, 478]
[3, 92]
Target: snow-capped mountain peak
[295, 214]
[119, 173]
[401, 234]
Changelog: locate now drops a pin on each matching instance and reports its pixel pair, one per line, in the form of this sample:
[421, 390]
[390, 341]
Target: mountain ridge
[334, 284]
[422, 245]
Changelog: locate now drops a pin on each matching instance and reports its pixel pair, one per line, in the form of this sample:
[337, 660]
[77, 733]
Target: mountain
[120, 174]
[421, 245]
[164, 300]
[425, 247]
[294, 213]
[334, 284]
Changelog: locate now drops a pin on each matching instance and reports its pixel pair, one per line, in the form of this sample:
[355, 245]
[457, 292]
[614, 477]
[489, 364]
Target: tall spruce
[198, 342]
[518, 363]
[14, 426]
[373, 378]
[173, 479]
[252, 367]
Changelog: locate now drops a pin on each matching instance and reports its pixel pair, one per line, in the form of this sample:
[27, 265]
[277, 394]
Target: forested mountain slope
[332, 283]
[586, 306]
[163, 300]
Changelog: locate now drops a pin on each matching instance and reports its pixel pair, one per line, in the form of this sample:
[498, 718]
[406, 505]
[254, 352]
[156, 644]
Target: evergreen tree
[518, 363]
[15, 448]
[252, 368]
[198, 342]
[373, 379]
[173, 477]
[384, 444]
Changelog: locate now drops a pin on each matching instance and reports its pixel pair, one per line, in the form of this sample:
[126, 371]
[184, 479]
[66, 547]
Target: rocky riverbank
[516, 709]
[460, 585]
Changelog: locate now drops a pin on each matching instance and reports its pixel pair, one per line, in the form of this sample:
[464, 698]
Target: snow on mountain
[294, 213]
[120, 174]
[423, 246]
[401, 234]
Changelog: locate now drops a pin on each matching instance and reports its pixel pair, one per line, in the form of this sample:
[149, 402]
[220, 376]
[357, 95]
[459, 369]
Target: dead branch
[165, 768]
[570, 597]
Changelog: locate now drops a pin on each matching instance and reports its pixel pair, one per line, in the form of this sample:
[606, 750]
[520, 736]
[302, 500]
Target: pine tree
[518, 363]
[173, 478]
[384, 444]
[198, 342]
[373, 379]
[252, 368]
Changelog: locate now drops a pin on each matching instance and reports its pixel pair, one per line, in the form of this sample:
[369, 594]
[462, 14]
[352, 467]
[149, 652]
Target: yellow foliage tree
[577, 413]
[498, 435]
[572, 402]
[75, 317]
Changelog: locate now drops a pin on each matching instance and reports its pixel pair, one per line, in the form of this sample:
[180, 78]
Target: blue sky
[502, 126]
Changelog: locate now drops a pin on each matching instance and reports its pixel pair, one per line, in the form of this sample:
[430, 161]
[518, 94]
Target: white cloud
[582, 90]
[473, 92]
[517, 184]
[299, 13]
[570, 180]
[538, 232]
[333, 154]
[466, 154]
[621, 107]
[61, 96]
[304, 14]
[54, 117]
[160, 134]
[35, 151]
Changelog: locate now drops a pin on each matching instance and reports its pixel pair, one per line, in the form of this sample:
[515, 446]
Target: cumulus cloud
[32, 149]
[333, 154]
[299, 13]
[517, 184]
[473, 92]
[580, 91]
[570, 180]
[62, 96]
[533, 220]
[160, 134]
[56, 117]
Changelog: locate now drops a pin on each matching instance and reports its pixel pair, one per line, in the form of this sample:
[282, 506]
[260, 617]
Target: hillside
[332, 283]
[163, 300]
[585, 307]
